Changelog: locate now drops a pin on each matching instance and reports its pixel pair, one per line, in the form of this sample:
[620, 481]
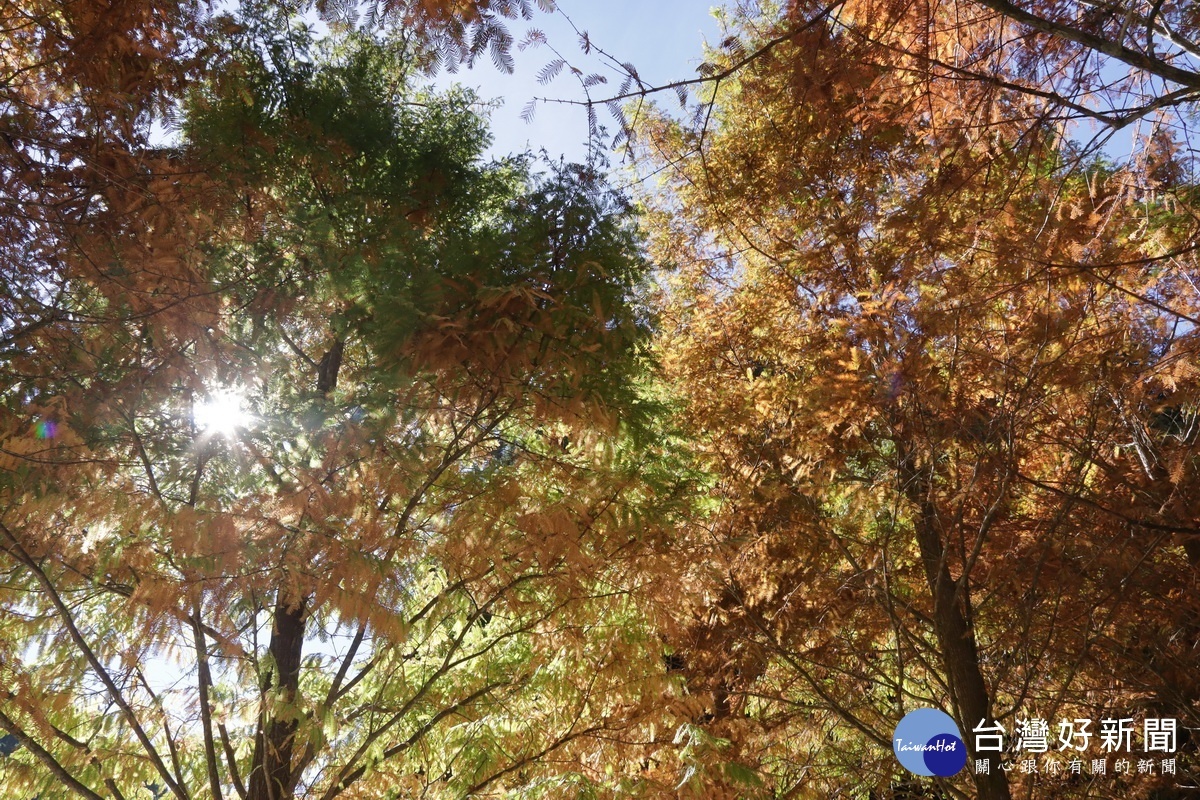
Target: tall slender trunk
[275, 741]
[960, 657]
[271, 769]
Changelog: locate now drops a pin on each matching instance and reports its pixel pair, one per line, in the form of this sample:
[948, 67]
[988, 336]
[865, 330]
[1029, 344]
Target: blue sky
[663, 40]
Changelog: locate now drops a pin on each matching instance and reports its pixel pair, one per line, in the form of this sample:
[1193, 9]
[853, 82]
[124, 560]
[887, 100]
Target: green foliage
[419, 558]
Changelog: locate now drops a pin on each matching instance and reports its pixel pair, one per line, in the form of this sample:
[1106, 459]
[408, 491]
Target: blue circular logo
[927, 742]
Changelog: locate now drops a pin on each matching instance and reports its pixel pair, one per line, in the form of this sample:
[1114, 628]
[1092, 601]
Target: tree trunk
[274, 743]
[960, 658]
[271, 775]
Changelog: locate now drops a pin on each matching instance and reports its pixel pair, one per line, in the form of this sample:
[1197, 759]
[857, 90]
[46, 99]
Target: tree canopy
[324, 464]
[338, 460]
[943, 363]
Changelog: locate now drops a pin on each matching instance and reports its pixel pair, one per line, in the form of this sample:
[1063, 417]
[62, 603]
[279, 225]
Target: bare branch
[204, 685]
[1142, 61]
[46, 758]
[90, 656]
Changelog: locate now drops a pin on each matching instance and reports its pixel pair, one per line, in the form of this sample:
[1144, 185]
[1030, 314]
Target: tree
[1091, 65]
[321, 465]
[1108, 63]
[935, 361]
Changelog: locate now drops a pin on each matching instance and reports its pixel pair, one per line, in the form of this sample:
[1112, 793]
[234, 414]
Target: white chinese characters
[1116, 735]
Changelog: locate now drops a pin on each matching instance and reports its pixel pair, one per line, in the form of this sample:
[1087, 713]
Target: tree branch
[1142, 61]
[204, 681]
[231, 759]
[90, 656]
[46, 758]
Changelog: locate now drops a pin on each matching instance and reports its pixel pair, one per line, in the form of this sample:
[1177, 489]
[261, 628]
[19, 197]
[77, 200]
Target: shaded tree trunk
[271, 776]
[274, 743]
[956, 643]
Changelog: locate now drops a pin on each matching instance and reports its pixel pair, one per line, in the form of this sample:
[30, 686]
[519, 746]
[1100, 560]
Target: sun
[222, 413]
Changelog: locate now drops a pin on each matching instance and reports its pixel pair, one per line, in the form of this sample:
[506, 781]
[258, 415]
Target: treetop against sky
[345, 453]
[664, 40]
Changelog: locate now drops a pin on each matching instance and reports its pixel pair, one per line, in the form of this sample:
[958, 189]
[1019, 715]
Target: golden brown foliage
[943, 372]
